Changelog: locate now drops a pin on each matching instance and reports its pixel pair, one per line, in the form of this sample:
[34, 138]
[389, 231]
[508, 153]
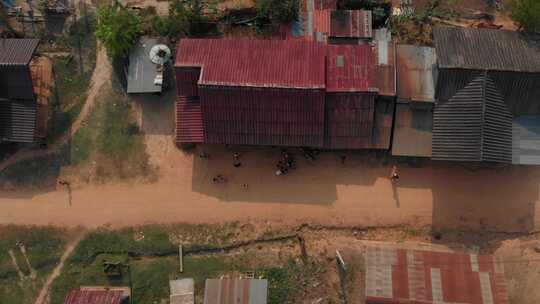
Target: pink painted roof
[255, 63]
[94, 297]
[350, 68]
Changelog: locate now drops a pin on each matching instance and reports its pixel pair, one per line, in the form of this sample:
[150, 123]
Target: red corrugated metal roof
[321, 21]
[189, 124]
[270, 116]
[94, 297]
[350, 24]
[413, 276]
[324, 4]
[349, 120]
[254, 63]
[350, 68]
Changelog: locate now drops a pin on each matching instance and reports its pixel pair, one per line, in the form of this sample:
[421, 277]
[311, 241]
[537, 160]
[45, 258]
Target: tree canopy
[527, 13]
[277, 11]
[187, 17]
[117, 28]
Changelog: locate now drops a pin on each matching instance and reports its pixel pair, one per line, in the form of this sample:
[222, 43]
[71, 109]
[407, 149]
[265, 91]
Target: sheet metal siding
[93, 297]
[415, 276]
[351, 24]
[235, 291]
[416, 73]
[412, 131]
[255, 63]
[17, 51]
[350, 68]
[386, 67]
[384, 120]
[186, 81]
[526, 140]
[255, 116]
[189, 125]
[16, 82]
[17, 121]
[521, 91]
[487, 49]
[349, 120]
[450, 81]
[474, 125]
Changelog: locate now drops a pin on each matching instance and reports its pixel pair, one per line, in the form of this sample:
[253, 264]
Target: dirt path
[324, 192]
[42, 297]
[100, 76]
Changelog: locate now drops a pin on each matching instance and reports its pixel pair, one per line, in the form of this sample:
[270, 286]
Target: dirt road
[323, 192]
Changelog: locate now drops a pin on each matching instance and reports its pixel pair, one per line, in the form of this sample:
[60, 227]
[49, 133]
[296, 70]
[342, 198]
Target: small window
[339, 61]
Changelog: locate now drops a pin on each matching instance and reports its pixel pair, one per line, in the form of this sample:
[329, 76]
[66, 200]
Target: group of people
[285, 163]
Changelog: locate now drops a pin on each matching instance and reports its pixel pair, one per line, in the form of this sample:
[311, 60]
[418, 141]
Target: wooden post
[181, 258]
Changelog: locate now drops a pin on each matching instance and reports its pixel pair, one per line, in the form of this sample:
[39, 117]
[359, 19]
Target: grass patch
[39, 172]
[72, 82]
[111, 139]
[44, 246]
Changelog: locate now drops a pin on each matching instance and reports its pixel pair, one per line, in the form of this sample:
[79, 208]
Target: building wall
[349, 120]
[186, 80]
[262, 116]
[521, 91]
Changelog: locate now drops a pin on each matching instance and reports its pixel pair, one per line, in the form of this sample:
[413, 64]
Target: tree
[187, 17]
[117, 28]
[277, 11]
[527, 13]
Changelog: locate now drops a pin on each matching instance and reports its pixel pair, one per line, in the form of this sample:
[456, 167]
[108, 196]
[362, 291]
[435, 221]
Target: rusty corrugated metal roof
[17, 51]
[385, 52]
[255, 63]
[94, 297]
[487, 49]
[351, 24]
[350, 68]
[189, 124]
[236, 291]
[414, 276]
[416, 73]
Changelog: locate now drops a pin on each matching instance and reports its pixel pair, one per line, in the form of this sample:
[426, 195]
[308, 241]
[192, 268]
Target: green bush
[118, 28]
[527, 13]
[276, 11]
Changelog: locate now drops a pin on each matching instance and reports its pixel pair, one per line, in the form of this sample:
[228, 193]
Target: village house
[395, 275]
[25, 83]
[279, 93]
[488, 96]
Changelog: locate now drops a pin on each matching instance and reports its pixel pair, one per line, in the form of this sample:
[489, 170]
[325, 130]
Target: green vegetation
[192, 18]
[118, 28]
[152, 255]
[44, 247]
[110, 136]
[276, 11]
[527, 13]
[72, 76]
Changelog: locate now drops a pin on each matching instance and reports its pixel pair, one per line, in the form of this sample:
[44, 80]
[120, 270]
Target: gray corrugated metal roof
[474, 125]
[182, 291]
[412, 131]
[17, 51]
[416, 72]
[142, 71]
[487, 49]
[526, 140]
[17, 121]
[236, 291]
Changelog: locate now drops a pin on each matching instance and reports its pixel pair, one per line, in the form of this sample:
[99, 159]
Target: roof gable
[17, 51]
[474, 125]
[487, 49]
[255, 63]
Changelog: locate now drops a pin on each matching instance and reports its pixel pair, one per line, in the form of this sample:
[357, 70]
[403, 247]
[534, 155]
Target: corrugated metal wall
[263, 116]
[349, 120]
[474, 125]
[17, 121]
[186, 81]
[16, 82]
[520, 90]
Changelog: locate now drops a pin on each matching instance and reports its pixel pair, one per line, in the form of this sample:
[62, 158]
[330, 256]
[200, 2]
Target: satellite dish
[160, 54]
